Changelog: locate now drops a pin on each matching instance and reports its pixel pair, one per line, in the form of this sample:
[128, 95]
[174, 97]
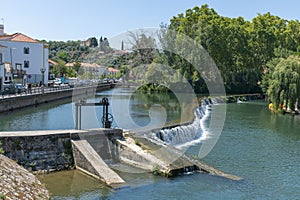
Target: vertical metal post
[103, 113]
[106, 113]
[80, 116]
[76, 116]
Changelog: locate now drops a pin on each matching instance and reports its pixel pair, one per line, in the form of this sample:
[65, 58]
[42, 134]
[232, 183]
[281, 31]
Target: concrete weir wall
[17, 102]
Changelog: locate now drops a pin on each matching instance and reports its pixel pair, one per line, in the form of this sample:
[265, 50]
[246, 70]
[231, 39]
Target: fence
[36, 90]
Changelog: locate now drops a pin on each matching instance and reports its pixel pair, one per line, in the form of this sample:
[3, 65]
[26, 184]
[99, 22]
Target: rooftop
[17, 37]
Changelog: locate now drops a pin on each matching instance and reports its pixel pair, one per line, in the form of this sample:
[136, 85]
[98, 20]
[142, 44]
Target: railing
[50, 89]
[34, 90]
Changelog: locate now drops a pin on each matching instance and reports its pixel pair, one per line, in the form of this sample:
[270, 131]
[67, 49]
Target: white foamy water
[190, 134]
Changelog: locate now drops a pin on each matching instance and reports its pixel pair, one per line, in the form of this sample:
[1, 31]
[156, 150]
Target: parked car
[9, 87]
[20, 88]
[57, 81]
[72, 82]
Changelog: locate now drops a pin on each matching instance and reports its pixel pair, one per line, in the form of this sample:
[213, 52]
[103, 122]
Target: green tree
[104, 45]
[60, 69]
[76, 66]
[93, 42]
[241, 49]
[63, 55]
[284, 87]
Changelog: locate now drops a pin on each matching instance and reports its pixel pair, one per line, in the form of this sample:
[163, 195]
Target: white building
[25, 58]
[3, 58]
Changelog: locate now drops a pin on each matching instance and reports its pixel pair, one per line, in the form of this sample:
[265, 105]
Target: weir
[194, 131]
[94, 151]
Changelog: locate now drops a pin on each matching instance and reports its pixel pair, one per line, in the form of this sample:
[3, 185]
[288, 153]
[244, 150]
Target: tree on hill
[93, 42]
[104, 45]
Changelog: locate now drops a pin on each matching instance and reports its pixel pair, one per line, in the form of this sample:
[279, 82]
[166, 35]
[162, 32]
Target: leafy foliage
[1, 149]
[284, 84]
[241, 49]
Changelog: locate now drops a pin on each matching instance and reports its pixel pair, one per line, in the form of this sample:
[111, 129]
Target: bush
[1, 149]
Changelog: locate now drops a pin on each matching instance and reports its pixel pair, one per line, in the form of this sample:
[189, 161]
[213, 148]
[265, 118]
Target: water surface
[255, 144]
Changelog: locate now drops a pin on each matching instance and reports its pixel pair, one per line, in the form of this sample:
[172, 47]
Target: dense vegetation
[76, 52]
[241, 49]
[260, 55]
[252, 56]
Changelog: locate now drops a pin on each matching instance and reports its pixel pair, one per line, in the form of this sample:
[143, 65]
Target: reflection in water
[60, 115]
[73, 183]
[57, 115]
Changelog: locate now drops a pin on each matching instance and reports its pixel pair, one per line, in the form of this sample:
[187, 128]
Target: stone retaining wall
[50, 152]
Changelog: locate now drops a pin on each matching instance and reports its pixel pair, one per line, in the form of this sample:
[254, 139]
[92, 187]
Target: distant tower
[122, 45]
[1, 29]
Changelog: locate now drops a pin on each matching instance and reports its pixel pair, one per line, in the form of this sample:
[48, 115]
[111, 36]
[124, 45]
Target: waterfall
[195, 131]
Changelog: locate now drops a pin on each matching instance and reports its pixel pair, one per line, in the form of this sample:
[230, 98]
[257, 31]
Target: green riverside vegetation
[261, 55]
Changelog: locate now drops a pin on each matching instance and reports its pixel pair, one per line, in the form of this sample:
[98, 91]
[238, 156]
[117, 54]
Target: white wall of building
[37, 57]
[4, 54]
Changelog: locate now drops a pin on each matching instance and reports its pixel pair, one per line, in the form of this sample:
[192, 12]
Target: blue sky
[80, 19]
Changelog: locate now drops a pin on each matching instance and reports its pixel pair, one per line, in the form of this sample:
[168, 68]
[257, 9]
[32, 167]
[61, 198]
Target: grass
[2, 196]
[156, 170]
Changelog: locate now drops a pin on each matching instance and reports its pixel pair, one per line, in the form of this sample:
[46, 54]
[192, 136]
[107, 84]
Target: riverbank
[17, 183]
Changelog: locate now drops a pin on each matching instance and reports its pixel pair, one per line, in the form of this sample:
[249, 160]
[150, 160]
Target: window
[26, 64]
[26, 50]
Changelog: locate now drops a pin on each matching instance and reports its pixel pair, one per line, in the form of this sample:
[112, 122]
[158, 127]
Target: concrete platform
[145, 153]
[89, 161]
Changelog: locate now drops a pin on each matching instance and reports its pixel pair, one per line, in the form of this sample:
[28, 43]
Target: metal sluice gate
[106, 119]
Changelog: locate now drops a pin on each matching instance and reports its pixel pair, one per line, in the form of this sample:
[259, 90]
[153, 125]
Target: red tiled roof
[18, 37]
[85, 65]
[52, 62]
[113, 70]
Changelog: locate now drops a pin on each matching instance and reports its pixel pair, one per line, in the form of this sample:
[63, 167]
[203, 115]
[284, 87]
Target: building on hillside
[27, 60]
[92, 68]
[120, 52]
[112, 71]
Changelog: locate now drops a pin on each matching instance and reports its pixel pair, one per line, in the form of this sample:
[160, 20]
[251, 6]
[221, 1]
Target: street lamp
[43, 79]
[11, 62]
[43, 70]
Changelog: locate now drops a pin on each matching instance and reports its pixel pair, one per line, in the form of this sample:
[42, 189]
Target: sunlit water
[261, 147]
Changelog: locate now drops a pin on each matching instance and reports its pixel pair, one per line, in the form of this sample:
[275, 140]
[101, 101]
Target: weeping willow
[284, 86]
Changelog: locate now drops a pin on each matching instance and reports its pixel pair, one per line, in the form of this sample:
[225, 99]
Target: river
[261, 147]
